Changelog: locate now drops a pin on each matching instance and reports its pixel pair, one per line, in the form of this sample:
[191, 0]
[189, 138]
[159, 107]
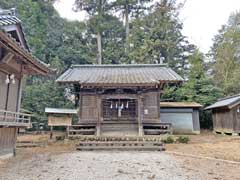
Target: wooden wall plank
[7, 140]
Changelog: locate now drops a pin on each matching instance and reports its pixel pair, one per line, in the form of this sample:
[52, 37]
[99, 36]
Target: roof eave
[117, 84]
[229, 106]
[13, 46]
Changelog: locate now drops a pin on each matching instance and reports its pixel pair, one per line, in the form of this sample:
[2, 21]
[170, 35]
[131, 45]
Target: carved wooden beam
[7, 58]
[9, 70]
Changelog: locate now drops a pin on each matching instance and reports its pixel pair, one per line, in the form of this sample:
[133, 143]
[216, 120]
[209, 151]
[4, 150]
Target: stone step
[122, 148]
[121, 145]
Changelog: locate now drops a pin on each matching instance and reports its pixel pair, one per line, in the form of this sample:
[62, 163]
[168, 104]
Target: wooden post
[7, 96]
[15, 141]
[19, 94]
[99, 116]
[158, 104]
[67, 131]
[140, 116]
[80, 106]
[51, 132]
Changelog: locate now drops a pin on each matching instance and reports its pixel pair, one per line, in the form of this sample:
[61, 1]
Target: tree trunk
[127, 20]
[126, 26]
[99, 46]
[99, 34]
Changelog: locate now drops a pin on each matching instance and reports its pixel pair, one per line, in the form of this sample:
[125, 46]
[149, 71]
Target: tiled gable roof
[127, 74]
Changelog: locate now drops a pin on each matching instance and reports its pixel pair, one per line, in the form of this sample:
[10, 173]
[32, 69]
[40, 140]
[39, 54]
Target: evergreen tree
[226, 56]
[198, 88]
[129, 8]
[97, 9]
[157, 38]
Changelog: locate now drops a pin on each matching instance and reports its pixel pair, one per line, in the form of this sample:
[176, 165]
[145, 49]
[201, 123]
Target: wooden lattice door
[119, 109]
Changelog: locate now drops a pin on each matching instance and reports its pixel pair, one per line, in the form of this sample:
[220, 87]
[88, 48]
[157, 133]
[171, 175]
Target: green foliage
[168, 140]
[112, 39]
[225, 55]
[157, 38]
[97, 9]
[44, 94]
[53, 40]
[129, 8]
[183, 139]
[199, 88]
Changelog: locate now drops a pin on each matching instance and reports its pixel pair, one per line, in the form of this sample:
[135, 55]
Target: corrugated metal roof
[125, 74]
[60, 111]
[226, 102]
[180, 104]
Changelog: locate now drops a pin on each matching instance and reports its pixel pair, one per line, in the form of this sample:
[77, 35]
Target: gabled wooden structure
[226, 115]
[120, 99]
[60, 118]
[184, 116]
[15, 62]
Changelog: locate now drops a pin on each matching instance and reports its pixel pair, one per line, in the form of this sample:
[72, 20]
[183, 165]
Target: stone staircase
[120, 143]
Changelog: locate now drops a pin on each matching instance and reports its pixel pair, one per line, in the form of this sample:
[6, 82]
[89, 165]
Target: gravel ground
[97, 166]
[112, 165]
[60, 161]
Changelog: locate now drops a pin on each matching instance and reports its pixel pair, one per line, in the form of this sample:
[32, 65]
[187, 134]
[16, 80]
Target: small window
[238, 109]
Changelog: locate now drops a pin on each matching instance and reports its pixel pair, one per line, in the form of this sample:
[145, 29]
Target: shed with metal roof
[226, 115]
[184, 116]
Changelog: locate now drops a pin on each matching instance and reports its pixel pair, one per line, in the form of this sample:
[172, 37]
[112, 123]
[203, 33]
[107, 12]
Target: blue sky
[201, 18]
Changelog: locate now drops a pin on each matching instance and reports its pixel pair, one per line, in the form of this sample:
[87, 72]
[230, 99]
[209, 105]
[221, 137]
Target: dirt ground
[60, 161]
[210, 145]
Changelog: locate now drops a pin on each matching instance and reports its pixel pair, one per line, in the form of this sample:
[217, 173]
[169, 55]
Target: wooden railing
[8, 118]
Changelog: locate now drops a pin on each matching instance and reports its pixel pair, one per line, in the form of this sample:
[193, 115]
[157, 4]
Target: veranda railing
[9, 118]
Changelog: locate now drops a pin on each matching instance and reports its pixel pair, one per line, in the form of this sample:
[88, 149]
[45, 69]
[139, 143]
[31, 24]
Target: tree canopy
[225, 54]
[150, 32]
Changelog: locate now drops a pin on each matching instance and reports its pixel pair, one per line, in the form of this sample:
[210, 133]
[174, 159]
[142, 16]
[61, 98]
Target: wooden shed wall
[236, 115]
[225, 120]
[151, 105]
[184, 120]
[7, 140]
[196, 121]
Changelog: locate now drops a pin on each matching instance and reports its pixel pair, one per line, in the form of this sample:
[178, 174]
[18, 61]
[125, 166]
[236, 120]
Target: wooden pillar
[15, 141]
[7, 96]
[140, 115]
[80, 106]
[99, 116]
[19, 95]
[158, 104]
[67, 131]
[51, 132]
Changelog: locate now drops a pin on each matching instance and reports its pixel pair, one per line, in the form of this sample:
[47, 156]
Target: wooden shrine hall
[119, 99]
[16, 62]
